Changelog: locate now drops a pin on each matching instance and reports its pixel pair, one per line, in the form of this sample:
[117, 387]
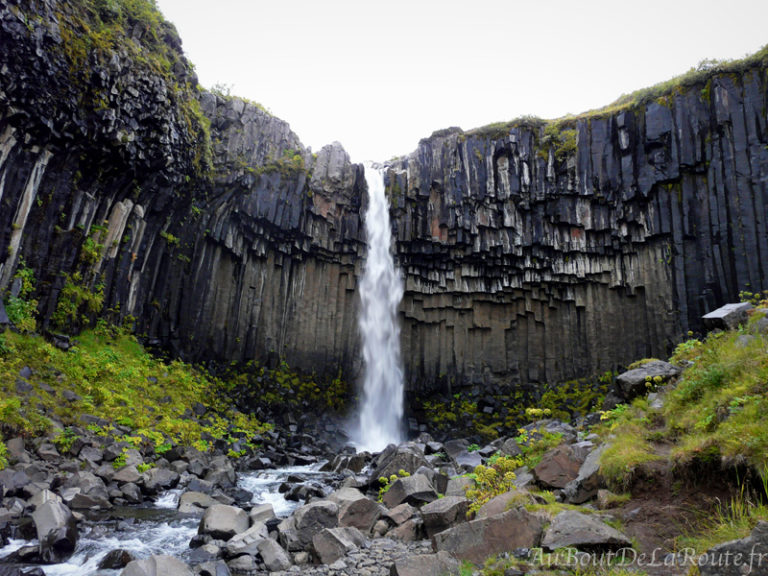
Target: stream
[159, 529]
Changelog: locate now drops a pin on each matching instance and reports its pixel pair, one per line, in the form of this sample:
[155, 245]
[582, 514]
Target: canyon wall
[533, 252]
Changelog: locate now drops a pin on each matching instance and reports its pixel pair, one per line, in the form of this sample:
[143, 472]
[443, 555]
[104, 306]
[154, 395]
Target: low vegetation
[128, 393]
[711, 423]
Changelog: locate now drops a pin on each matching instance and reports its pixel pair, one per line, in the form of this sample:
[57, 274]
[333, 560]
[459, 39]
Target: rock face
[531, 253]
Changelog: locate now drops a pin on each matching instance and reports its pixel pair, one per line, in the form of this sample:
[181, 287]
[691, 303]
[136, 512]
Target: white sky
[378, 76]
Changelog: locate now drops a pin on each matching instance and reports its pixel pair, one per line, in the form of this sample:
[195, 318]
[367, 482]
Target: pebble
[376, 560]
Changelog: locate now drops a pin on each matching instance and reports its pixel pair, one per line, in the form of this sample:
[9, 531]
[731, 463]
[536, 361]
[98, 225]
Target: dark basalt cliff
[533, 252]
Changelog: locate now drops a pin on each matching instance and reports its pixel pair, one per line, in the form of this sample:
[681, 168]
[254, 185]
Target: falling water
[381, 290]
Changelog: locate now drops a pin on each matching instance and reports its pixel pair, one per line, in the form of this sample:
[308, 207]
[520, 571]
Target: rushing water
[160, 529]
[265, 485]
[148, 531]
[381, 290]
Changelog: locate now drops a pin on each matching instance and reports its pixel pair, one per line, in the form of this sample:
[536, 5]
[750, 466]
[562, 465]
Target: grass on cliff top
[108, 374]
[700, 75]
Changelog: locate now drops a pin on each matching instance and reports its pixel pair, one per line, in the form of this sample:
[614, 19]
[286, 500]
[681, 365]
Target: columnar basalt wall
[538, 252]
[532, 252]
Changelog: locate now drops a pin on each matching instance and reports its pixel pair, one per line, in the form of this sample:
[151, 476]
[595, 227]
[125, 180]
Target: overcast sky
[378, 76]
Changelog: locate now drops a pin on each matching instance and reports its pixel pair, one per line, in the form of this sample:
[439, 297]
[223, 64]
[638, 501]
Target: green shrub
[490, 481]
[3, 454]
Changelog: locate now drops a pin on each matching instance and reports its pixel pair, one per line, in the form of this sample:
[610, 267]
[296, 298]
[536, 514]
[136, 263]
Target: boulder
[221, 473]
[247, 542]
[477, 540]
[458, 486]
[195, 502]
[728, 317]
[213, 568]
[273, 555]
[127, 474]
[399, 514]
[510, 447]
[588, 481]
[356, 510]
[42, 497]
[132, 493]
[116, 559]
[157, 566]
[632, 383]
[84, 490]
[406, 457]
[158, 479]
[296, 532]
[557, 467]
[571, 529]
[56, 531]
[458, 450]
[738, 557]
[222, 522]
[444, 513]
[416, 489]
[331, 544]
[440, 564]
[503, 502]
[409, 531]
[261, 513]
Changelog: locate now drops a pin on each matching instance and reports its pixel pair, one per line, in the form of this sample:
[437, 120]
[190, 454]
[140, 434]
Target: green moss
[3, 454]
[22, 309]
[93, 31]
[79, 303]
[114, 378]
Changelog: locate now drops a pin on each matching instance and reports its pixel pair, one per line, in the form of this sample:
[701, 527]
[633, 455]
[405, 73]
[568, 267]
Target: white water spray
[381, 290]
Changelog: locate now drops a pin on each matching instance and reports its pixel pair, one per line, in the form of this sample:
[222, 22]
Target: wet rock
[415, 490]
[56, 531]
[439, 564]
[633, 382]
[582, 531]
[157, 566]
[477, 540]
[444, 513]
[195, 502]
[331, 544]
[222, 522]
[116, 559]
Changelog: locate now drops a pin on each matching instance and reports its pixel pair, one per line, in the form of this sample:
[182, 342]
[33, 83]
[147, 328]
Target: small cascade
[381, 289]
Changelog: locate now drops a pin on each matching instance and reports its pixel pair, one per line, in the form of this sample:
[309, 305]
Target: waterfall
[381, 290]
